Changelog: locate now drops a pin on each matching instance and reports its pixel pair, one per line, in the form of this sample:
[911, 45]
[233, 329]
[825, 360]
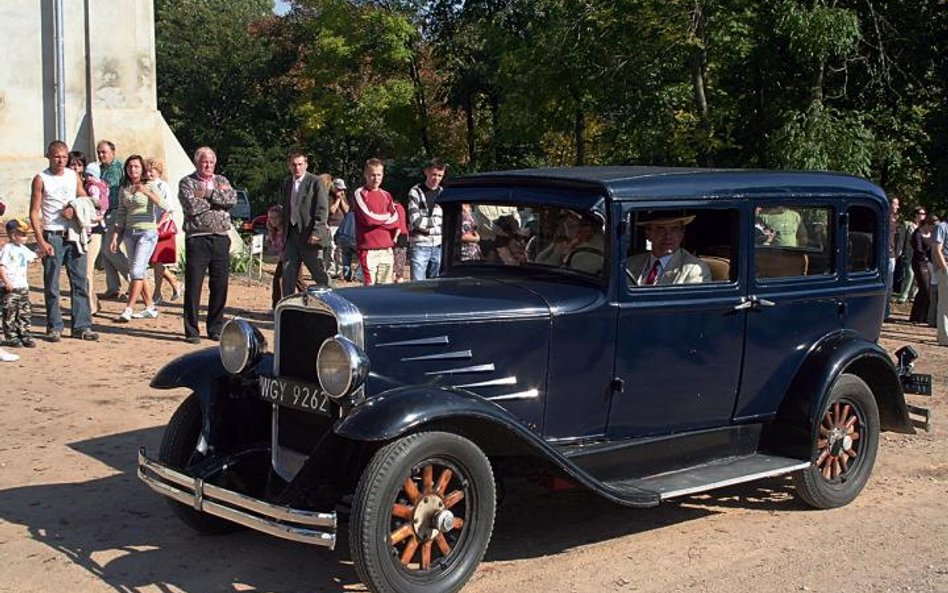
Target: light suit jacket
[682, 268]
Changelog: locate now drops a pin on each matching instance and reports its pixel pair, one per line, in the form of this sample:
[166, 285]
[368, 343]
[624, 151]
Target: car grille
[301, 334]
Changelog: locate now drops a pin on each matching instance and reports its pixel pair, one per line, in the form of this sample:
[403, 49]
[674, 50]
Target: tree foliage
[846, 85]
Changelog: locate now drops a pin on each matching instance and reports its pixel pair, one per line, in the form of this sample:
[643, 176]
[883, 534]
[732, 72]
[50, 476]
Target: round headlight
[341, 367]
[241, 345]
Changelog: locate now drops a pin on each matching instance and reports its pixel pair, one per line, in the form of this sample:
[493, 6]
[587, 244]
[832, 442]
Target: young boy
[376, 226]
[14, 259]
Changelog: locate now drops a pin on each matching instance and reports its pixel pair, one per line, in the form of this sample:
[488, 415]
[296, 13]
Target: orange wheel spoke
[821, 444]
[843, 463]
[409, 551]
[851, 422]
[401, 533]
[458, 523]
[443, 480]
[453, 498]
[846, 410]
[412, 490]
[427, 479]
[402, 511]
[443, 545]
[426, 555]
[819, 460]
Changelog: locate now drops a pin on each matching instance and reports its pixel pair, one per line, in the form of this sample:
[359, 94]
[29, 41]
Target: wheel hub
[425, 519]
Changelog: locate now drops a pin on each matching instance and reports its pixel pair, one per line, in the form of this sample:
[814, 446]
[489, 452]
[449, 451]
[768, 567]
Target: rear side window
[792, 241]
[863, 229]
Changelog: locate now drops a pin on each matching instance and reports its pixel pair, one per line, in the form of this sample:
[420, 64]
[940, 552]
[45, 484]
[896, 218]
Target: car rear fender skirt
[405, 410]
[845, 352]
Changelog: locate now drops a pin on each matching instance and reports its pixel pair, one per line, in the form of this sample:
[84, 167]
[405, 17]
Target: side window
[678, 247]
[793, 241]
[863, 229]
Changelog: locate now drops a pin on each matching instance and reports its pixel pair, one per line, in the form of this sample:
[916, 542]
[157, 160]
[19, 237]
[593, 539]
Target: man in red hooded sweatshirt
[376, 222]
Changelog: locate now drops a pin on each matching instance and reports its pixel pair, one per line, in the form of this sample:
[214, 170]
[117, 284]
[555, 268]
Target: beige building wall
[110, 89]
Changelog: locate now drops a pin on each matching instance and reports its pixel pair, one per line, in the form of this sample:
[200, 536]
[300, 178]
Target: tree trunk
[579, 136]
[421, 106]
[699, 66]
[469, 118]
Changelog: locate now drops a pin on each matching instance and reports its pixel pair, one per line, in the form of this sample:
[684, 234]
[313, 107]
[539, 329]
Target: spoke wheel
[422, 514]
[844, 446]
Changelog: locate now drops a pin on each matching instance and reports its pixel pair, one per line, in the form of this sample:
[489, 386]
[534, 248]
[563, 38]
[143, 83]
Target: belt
[60, 233]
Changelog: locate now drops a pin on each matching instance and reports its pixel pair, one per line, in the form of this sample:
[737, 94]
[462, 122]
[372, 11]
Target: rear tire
[844, 446]
[179, 451]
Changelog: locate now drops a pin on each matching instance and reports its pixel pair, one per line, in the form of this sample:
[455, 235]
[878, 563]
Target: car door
[679, 346]
[797, 298]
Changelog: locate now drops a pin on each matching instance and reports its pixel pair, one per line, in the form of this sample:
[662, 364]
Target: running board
[716, 474]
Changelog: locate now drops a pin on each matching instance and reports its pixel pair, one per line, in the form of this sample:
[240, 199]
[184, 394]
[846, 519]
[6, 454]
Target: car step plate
[716, 474]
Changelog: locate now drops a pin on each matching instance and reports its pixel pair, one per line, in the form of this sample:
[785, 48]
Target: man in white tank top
[52, 190]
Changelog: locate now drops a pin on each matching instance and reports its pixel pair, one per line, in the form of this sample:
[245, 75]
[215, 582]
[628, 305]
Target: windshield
[508, 234]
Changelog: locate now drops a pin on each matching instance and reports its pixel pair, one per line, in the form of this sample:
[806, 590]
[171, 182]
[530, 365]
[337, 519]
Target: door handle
[744, 305]
[754, 302]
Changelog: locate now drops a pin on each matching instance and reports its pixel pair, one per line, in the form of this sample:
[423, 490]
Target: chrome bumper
[292, 524]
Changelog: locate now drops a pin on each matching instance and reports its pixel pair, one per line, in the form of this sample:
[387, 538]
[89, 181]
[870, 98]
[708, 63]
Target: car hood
[463, 298]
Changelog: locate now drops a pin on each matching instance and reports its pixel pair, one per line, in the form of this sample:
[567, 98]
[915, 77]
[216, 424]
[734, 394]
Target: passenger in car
[667, 262]
[510, 242]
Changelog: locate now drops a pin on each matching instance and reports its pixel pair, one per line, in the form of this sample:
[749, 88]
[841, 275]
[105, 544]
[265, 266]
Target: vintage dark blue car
[644, 333]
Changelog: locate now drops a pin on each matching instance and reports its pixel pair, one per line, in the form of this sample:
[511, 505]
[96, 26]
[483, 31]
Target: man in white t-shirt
[52, 191]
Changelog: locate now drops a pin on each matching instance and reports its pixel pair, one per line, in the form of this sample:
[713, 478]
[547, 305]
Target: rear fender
[791, 432]
[405, 410]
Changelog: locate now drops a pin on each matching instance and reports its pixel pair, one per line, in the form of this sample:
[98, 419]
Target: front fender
[203, 373]
[195, 370]
[400, 411]
[799, 414]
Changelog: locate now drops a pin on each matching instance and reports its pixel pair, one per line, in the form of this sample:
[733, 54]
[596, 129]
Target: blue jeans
[140, 245]
[425, 261]
[65, 253]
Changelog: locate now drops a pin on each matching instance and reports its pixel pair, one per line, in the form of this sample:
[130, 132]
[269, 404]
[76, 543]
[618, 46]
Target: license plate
[291, 393]
[917, 383]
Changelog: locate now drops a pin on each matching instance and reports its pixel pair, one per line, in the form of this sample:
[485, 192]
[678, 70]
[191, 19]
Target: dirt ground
[75, 518]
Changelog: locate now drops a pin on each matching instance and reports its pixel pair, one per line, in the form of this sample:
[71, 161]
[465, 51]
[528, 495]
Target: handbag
[167, 229]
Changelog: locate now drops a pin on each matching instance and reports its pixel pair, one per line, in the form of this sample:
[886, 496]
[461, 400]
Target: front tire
[422, 515]
[179, 451]
[844, 446]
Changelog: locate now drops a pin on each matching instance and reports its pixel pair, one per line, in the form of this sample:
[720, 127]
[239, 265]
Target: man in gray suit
[666, 262]
[305, 201]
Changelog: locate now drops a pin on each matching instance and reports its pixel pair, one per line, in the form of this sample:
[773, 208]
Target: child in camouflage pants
[14, 259]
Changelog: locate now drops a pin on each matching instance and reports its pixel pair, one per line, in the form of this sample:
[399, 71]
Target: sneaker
[14, 343]
[147, 313]
[193, 339]
[214, 337]
[159, 301]
[8, 357]
[175, 295]
[28, 342]
[126, 315]
[86, 334]
[53, 335]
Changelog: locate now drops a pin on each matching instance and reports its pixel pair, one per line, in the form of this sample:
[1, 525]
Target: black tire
[384, 506]
[179, 451]
[844, 446]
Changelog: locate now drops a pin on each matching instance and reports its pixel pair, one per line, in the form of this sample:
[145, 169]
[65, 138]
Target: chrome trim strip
[481, 368]
[528, 394]
[491, 383]
[461, 354]
[435, 341]
[738, 480]
[284, 522]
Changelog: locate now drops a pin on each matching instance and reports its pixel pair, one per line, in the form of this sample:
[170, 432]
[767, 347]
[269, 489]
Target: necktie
[294, 205]
[653, 273]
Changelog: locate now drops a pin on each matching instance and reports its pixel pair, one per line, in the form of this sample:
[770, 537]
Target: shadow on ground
[124, 534]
